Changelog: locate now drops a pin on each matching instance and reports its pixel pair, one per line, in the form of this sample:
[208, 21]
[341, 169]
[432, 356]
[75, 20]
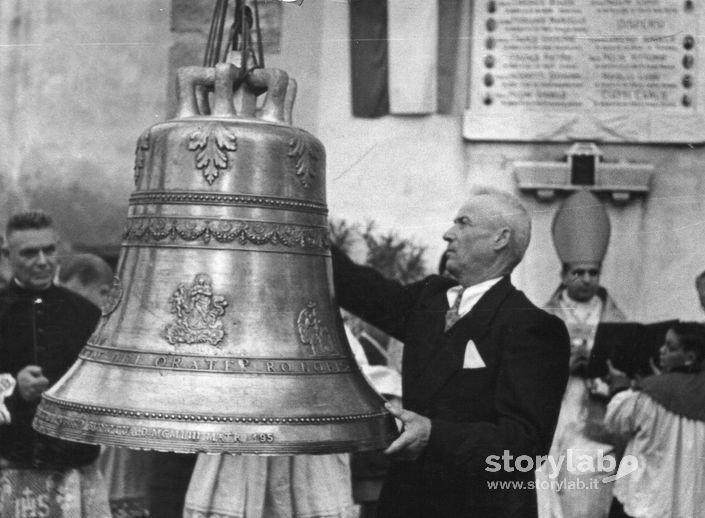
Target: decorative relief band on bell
[303, 158]
[141, 154]
[212, 144]
[49, 404]
[232, 200]
[191, 433]
[156, 230]
[198, 312]
[216, 364]
[312, 331]
[112, 297]
[77, 428]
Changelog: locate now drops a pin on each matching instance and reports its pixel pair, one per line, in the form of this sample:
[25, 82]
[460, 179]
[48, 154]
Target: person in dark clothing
[483, 371]
[42, 329]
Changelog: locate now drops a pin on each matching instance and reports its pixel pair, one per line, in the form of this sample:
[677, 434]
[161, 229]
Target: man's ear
[502, 237]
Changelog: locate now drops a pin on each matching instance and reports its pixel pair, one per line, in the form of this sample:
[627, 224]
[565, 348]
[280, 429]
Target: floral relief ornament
[145, 230]
[212, 144]
[141, 155]
[300, 152]
[112, 298]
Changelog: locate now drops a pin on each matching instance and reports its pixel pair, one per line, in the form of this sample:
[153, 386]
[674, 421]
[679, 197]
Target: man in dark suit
[483, 371]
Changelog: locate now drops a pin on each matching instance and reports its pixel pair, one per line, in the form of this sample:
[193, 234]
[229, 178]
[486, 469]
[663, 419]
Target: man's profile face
[581, 280]
[700, 286]
[471, 239]
[32, 257]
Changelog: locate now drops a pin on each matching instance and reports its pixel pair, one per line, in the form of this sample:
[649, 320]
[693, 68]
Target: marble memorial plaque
[601, 70]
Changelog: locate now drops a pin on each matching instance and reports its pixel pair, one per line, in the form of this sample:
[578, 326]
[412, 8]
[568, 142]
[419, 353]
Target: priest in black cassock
[42, 329]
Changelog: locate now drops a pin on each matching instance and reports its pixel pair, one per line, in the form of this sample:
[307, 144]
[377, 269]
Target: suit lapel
[435, 307]
[445, 357]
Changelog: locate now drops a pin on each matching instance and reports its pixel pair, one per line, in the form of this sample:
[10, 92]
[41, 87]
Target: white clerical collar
[470, 295]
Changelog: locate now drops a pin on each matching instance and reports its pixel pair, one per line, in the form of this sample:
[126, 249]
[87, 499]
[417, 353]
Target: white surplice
[669, 480]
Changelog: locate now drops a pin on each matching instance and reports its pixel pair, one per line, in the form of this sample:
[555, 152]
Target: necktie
[453, 315]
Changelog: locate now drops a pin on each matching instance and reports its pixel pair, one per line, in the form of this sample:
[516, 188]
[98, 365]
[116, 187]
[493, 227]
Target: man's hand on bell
[31, 383]
[416, 430]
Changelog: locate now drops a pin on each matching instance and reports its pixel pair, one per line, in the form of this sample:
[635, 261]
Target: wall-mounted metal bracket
[584, 168]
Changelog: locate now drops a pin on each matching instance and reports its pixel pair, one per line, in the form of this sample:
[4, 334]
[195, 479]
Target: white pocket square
[472, 359]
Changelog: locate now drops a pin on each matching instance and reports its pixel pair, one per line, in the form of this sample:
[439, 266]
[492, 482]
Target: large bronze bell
[222, 333]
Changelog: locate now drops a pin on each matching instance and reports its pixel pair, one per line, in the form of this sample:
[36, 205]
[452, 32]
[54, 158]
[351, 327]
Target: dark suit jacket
[511, 405]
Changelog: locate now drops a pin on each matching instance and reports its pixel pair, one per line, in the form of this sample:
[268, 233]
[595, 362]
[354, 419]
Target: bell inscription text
[220, 364]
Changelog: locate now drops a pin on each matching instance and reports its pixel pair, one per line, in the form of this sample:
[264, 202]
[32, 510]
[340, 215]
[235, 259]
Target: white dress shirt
[470, 295]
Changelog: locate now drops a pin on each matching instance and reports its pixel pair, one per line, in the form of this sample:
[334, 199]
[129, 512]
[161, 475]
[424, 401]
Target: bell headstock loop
[215, 90]
[188, 79]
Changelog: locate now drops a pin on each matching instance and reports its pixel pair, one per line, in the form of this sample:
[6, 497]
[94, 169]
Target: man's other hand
[416, 430]
[31, 383]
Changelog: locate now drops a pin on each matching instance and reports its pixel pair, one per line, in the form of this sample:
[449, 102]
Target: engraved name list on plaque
[600, 70]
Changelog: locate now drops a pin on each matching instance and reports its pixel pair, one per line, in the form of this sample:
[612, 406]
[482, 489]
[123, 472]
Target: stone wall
[80, 81]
